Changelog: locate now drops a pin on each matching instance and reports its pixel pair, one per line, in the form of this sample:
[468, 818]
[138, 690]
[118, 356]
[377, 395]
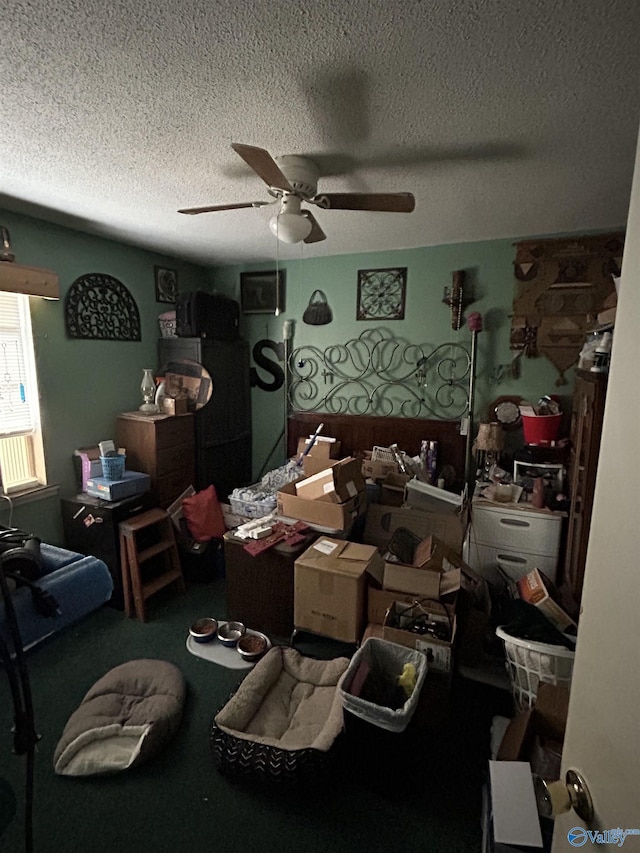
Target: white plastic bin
[386, 661]
[528, 663]
[425, 496]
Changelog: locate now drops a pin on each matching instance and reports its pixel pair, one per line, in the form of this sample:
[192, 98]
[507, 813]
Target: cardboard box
[338, 484]
[132, 483]
[330, 516]
[537, 735]
[320, 457]
[175, 405]
[533, 589]
[383, 521]
[330, 586]
[88, 465]
[377, 470]
[392, 489]
[439, 651]
[421, 583]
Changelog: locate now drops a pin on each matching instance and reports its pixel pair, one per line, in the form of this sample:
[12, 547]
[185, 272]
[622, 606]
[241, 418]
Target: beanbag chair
[124, 719]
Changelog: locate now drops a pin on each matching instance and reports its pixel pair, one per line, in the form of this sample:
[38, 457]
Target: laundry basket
[528, 663]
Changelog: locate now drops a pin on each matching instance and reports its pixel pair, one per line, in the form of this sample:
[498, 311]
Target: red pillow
[204, 515]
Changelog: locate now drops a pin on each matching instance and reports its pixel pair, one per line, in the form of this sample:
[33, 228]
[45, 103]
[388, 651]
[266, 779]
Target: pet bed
[124, 719]
[282, 721]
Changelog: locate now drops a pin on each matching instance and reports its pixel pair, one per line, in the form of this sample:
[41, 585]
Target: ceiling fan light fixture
[290, 227]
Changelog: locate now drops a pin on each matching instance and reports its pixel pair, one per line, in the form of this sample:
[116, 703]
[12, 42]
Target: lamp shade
[290, 227]
[490, 437]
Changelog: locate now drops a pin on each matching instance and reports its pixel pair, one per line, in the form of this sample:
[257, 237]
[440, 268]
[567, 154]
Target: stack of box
[416, 606]
[332, 497]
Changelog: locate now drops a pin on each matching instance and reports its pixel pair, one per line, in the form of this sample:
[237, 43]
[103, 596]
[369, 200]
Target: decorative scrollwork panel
[100, 307]
[376, 374]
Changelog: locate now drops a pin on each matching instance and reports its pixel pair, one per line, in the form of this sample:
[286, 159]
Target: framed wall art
[381, 294]
[166, 284]
[262, 292]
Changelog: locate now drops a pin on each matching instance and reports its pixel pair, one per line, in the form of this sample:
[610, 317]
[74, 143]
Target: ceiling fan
[292, 180]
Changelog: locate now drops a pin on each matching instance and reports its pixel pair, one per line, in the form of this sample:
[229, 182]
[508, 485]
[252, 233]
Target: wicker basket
[113, 466]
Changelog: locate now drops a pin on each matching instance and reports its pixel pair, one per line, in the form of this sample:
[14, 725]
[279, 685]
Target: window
[21, 450]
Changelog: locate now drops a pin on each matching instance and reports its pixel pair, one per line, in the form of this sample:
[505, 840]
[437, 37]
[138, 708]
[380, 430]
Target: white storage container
[486, 561]
[512, 539]
[385, 661]
[425, 496]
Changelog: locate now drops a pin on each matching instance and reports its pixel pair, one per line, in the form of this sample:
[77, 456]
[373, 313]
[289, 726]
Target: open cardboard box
[321, 456]
[439, 650]
[330, 587]
[537, 735]
[432, 559]
[331, 516]
[383, 521]
[392, 489]
[377, 469]
[337, 484]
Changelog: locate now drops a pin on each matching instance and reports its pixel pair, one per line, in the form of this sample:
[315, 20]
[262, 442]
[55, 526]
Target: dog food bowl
[252, 646]
[230, 632]
[203, 630]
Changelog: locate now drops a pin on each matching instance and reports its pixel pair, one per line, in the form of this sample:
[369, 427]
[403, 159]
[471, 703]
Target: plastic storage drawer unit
[513, 540]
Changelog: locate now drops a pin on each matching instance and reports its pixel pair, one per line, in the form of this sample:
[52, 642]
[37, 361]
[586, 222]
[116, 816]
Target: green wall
[490, 282]
[84, 385]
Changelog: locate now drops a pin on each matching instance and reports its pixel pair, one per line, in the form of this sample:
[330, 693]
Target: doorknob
[555, 798]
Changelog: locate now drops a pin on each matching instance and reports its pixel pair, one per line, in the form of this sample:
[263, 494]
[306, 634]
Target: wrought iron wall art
[100, 307]
[381, 294]
[377, 374]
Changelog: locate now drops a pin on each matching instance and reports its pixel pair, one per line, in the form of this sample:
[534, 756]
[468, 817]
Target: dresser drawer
[175, 430]
[171, 486]
[180, 458]
[516, 530]
[488, 560]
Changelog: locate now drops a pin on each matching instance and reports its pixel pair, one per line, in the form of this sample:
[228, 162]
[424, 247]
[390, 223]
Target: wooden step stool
[132, 559]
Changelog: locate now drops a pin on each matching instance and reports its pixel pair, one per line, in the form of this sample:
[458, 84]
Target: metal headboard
[377, 374]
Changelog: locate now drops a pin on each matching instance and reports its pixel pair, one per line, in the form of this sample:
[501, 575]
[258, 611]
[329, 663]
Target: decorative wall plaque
[100, 307]
[561, 285]
[381, 294]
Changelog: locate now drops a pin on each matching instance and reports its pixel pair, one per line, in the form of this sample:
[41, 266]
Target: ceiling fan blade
[193, 210]
[263, 165]
[317, 234]
[384, 202]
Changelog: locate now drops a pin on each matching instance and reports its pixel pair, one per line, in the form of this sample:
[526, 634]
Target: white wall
[603, 734]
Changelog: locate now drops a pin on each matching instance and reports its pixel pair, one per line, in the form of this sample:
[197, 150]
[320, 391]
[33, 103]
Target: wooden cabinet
[161, 446]
[586, 429]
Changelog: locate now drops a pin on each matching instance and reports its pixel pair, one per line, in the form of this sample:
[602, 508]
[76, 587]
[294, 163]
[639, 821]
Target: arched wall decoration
[376, 374]
[100, 307]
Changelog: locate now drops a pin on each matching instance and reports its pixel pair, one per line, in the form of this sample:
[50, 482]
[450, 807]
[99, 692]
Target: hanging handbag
[318, 311]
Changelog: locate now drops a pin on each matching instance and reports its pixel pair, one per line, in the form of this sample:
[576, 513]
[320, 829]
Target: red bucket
[541, 429]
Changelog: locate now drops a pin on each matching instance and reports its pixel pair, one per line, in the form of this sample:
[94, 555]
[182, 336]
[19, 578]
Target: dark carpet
[417, 791]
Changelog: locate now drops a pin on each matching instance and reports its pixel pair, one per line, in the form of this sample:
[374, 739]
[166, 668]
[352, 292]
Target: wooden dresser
[161, 446]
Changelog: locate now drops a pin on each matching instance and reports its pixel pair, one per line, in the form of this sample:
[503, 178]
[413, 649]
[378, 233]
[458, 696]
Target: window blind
[19, 411]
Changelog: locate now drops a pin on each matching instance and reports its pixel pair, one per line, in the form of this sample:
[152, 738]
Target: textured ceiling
[505, 118]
